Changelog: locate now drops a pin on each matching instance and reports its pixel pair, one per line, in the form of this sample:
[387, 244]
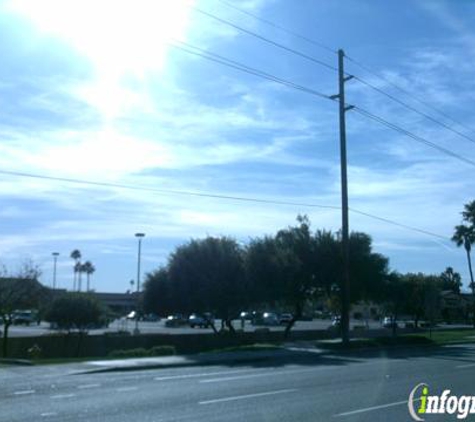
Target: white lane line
[469, 365]
[266, 374]
[248, 396]
[208, 374]
[369, 409]
[46, 414]
[62, 396]
[20, 393]
[82, 387]
[122, 389]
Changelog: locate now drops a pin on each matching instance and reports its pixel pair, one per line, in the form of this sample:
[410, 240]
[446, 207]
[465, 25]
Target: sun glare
[119, 37]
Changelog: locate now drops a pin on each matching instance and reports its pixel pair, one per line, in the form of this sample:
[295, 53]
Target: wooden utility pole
[345, 285]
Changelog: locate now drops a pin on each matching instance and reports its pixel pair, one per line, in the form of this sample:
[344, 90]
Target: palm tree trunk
[472, 285]
[87, 275]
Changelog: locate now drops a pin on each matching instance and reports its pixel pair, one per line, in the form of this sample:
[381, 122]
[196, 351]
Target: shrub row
[141, 352]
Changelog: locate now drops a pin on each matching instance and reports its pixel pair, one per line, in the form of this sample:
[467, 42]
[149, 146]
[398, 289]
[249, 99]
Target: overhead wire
[214, 196]
[247, 69]
[356, 77]
[408, 93]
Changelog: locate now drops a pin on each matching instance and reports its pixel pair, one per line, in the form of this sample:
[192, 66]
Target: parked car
[335, 324]
[285, 318]
[245, 315]
[131, 315]
[177, 320]
[151, 317]
[270, 319]
[201, 320]
[23, 317]
[389, 322]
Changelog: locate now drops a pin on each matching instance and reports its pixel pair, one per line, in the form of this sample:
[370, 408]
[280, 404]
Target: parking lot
[159, 327]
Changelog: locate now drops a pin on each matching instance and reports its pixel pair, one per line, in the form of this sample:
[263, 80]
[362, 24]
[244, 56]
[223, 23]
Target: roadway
[371, 386]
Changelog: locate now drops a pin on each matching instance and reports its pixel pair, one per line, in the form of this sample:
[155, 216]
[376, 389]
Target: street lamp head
[139, 234]
[55, 253]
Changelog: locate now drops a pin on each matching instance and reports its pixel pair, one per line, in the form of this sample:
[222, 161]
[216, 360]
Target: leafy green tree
[394, 293]
[299, 263]
[76, 311]
[158, 293]
[368, 270]
[22, 291]
[208, 275]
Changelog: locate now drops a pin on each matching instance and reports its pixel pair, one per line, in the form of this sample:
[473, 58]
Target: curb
[20, 362]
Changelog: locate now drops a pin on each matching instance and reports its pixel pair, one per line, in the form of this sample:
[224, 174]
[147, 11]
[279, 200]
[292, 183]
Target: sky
[105, 93]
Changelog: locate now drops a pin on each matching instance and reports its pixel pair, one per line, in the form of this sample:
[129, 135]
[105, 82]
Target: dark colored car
[285, 318]
[177, 320]
[201, 320]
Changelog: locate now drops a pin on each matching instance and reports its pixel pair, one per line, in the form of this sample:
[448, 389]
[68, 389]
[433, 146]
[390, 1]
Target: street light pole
[139, 236]
[55, 259]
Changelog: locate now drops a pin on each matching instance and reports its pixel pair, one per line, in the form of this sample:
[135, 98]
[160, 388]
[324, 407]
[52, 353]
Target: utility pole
[345, 285]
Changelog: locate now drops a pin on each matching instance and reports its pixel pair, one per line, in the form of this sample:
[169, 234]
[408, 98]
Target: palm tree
[76, 255]
[89, 269]
[465, 236]
[468, 213]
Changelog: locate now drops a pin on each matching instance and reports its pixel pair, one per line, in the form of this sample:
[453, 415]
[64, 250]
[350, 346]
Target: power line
[408, 93]
[415, 110]
[413, 136]
[191, 49]
[265, 39]
[247, 69]
[279, 27]
[213, 196]
[359, 79]
[163, 191]
[395, 223]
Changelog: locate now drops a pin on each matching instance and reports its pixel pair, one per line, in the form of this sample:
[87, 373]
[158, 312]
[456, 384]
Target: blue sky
[95, 91]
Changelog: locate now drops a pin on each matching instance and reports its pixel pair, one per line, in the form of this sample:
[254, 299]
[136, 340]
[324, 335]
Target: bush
[75, 311]
[130, 353]
[142, 353]
[162, 351]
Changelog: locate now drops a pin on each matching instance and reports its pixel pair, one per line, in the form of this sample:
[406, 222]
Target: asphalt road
[359, 387]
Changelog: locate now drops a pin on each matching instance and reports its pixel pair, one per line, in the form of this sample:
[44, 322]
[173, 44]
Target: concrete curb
[21, 362]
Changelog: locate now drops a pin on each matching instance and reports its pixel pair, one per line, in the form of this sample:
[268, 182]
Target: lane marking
[248, 396]
[266, 374]
[204, 374]
[469, 365]
[19, 393]
[122, 389]
[46, 414]
[369, 409]
[82, 387]
[62, 396]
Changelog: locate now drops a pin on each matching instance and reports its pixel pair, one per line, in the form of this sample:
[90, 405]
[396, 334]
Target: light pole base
[136, 331]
